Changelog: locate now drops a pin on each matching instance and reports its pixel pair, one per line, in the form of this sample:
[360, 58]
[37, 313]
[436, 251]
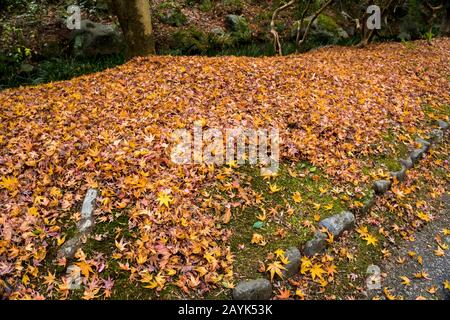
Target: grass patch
[279, 219]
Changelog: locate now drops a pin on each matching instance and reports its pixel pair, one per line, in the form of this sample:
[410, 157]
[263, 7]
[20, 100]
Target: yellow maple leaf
[323, 190]
[447, 284]
[227, 216]
[10, 184]
[422, 275]
[60, 240]
[439, 252]
[432, 290]
[299, 293]
[121, 245]
[274, 188]
[258, 239]
[262, 216]
[330, 238]
[306, 265]
[370, 239]
[363, 231]
[297, 197]
[423, 216]
[316, 271]
[141, 258]
[85, 268]
[388, 294]
[49, 279]
[164, 198]
[279, 253]
[275, 268]
[405, 281]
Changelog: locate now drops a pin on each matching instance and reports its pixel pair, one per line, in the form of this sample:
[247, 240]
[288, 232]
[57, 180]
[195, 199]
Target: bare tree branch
[300, 22]
[273, 31]
[318, 12]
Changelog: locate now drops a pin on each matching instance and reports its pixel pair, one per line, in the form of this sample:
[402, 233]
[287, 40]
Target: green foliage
[429, 35]
[52, 70]
[170, 13]
[233, 6]
[408, 44]
[190, 41]
[327, 23]
[206, 5]
[12, 5]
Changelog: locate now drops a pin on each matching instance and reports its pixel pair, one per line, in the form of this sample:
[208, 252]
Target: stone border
[84, 226]
[261, 289]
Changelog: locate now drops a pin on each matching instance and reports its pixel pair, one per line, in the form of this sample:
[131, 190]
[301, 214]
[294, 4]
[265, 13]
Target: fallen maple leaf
[275, 268]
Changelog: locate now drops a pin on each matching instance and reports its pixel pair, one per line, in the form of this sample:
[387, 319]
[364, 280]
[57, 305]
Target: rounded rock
[259, 289]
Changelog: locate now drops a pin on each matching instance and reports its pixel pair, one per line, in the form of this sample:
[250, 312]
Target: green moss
[327, 23]
[206, 5]
[248, 255]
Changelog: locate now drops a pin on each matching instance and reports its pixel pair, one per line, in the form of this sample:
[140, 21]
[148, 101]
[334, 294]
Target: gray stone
[259, 289]
[218, 31]
[316, 245]
[342, 33]
[96, 39]
[174, 17]
[338, 223]
[85, 225]
[69, 248]
[381, 186]
[73, 275]
[442, 124]
[368, 204]
[87, 209]
[417, 154]
[236, 23]
[404, 36]
[293, 255]
[26, 68]
[436, 135]
[400, 175]
[424, 143]
[408, 164]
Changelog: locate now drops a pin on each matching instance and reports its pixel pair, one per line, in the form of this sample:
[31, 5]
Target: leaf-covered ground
[162, 226]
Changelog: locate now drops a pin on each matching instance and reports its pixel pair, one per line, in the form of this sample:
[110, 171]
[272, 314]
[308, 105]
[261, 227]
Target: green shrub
[173, 17]
[327, 23]
[233, 6]
[54, 69]
[206, 5]
[190, 41]
[13, 5]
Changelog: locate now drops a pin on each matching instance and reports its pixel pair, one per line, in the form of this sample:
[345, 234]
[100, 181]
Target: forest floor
[163, 230]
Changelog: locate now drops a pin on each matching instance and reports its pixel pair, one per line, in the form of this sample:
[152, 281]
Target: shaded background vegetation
[36, 46]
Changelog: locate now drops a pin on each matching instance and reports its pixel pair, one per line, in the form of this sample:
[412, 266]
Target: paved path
[437, 268]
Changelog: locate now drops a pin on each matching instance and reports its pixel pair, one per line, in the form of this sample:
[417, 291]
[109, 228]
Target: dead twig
[273, 31]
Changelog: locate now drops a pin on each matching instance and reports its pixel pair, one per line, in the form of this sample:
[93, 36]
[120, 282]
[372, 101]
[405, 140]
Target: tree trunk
[136, 24]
